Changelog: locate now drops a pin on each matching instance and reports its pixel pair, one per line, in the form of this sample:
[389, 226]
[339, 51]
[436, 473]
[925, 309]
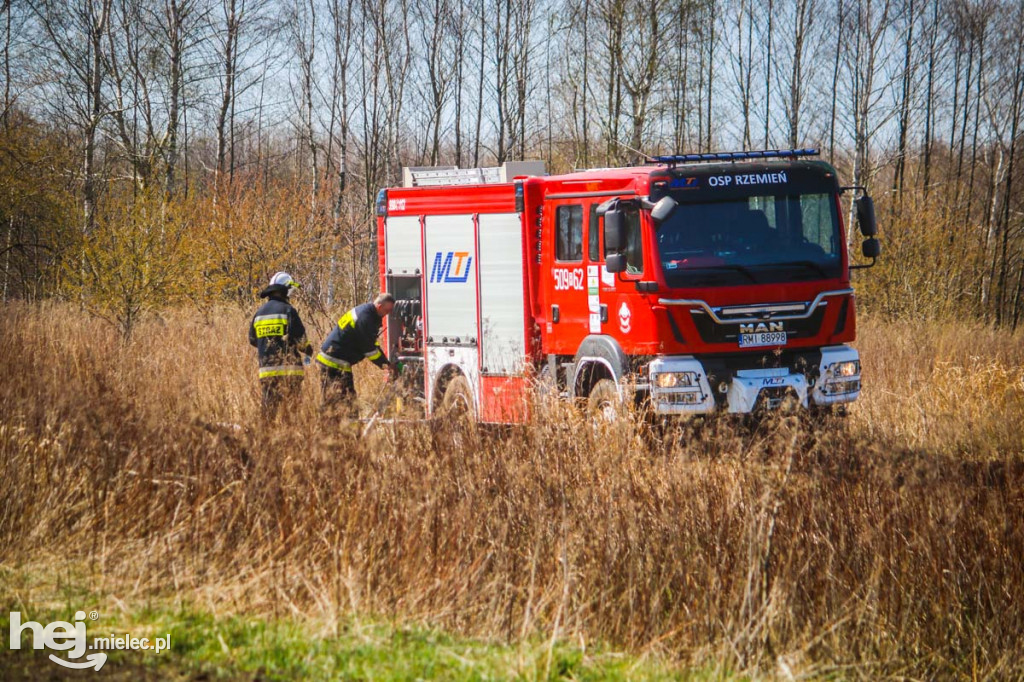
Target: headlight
[674, 379]
[666, 380]
[850, 368]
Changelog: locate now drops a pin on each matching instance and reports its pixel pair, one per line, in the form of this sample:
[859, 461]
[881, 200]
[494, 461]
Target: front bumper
[836, 380]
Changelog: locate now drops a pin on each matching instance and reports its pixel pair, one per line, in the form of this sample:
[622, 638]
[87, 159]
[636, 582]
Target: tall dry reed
[890, 544]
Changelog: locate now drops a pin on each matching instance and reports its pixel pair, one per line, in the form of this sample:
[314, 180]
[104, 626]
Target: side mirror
[871, 248]
[615, 262]
[866, 216]
[663, 209]
[613, 230]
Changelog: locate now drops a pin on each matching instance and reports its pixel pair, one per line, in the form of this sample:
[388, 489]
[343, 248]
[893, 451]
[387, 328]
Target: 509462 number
[568, 280]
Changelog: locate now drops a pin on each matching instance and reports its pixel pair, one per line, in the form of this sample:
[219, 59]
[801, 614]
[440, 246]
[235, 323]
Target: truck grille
[712, 332]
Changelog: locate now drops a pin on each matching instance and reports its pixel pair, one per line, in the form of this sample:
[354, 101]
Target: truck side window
[593, 235]
[569, 228]
[634, 250]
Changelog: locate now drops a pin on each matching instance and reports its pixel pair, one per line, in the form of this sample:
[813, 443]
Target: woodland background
[167, 152]
[160, 159]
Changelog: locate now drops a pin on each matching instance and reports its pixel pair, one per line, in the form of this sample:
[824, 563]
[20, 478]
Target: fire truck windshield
[768, 238]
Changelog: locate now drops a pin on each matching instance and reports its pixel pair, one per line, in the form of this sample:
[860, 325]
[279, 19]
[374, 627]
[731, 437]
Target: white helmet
[285, 279]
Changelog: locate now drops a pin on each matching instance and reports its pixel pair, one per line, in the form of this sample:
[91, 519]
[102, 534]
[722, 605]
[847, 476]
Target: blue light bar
[736, 156]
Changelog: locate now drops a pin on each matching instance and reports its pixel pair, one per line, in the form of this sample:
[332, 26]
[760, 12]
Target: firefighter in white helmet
[279, 336]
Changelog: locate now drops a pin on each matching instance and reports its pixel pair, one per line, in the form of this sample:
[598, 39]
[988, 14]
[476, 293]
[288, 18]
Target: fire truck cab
[696, 284]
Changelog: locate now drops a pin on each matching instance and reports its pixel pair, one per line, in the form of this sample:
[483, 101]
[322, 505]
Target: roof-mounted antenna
[644, 157]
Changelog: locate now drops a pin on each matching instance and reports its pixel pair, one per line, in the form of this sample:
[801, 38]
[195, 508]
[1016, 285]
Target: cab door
[610, 296]
[568, 313]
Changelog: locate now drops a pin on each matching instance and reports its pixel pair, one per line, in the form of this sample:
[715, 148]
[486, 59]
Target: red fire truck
[695, 284]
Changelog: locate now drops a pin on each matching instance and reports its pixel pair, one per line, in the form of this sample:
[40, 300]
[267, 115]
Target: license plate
[762, 339]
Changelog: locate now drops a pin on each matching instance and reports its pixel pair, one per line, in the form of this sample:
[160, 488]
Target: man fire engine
[695, 284]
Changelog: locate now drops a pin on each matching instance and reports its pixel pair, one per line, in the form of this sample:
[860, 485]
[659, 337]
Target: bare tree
[132, 90]
[234, 13]
[6, 11]
[840, 22]
[802, 59]
[1002, 255]
[302, 21]
[576, 74]
[640, 53]
[906, 94]
[865, 58]
[768, 74]
[81, 63]
[177, 15]
[743, 63]
[435, 20]
[611, 20]
[458, 26]
[482, 12]
[712, 42]
[341, 21]
[929, 116]
[980, 26]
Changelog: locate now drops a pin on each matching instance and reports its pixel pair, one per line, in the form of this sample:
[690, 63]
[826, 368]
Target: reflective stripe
[333, 363]
[282, 371]
[348, 319]
[270, 325]
[374, 354]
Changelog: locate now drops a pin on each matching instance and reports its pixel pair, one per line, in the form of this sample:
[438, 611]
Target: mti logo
[443, 271]
[685, 183]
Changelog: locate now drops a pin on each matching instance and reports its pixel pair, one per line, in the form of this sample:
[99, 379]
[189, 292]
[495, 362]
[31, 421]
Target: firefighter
[280, 340]
[353, 339]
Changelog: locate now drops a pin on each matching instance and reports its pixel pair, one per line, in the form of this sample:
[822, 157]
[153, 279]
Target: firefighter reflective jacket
[279, 336]
[353, 340]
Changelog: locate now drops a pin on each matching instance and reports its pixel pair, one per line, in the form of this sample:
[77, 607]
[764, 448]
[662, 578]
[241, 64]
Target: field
[888, 544]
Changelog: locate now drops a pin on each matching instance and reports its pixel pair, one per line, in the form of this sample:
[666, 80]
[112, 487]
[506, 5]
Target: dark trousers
[338, 392]
[278, 392]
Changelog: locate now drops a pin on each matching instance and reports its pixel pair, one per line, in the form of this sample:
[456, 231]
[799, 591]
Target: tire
[603, 403]
[458, 400]
[546, 386]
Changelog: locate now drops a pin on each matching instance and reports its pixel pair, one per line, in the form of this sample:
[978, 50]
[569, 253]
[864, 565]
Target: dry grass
[888, 546]
[952, 390]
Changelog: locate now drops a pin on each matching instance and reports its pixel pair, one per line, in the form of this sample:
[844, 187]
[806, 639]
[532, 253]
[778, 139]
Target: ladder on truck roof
[433, 176]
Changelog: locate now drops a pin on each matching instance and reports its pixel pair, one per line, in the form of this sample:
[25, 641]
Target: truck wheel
[604, 403]
[458, 399]
[546, 385]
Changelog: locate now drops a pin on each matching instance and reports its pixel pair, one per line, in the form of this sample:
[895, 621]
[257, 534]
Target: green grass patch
[209, 646]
